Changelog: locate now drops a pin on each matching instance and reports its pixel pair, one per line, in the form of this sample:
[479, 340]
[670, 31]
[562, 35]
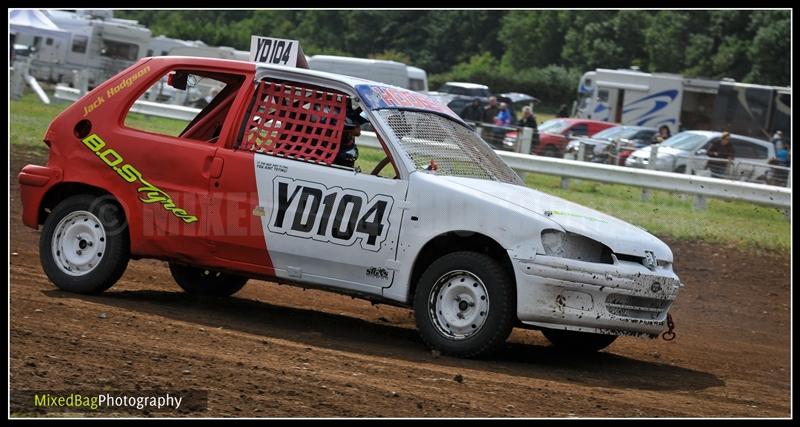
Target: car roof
[573, 120]
[715, 134]
[467, 85]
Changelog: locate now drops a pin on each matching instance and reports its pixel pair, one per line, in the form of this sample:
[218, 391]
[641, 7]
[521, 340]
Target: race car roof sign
[270, 50]
[377, 97]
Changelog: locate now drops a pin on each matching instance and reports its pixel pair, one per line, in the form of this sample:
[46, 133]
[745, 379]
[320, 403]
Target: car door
[171, 165]
[321, 224]
[747, 156]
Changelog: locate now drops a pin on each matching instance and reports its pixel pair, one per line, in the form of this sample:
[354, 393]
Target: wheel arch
[64, 190]
[455, 241]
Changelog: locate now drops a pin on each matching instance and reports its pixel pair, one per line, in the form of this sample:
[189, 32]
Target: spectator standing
[528, 119]
[503, 117]
[491, 110]
[472, 112]
[777, 140]
[721, 149]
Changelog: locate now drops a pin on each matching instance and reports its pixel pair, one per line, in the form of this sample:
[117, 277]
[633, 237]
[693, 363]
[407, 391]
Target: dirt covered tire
[574, 341]
[465, 305]
[84, 246]
[205, 282]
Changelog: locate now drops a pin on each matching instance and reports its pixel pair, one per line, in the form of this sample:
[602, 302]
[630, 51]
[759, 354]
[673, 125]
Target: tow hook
[669, 334]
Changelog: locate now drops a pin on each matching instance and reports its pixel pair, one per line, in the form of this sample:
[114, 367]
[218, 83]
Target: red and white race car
[251, 188]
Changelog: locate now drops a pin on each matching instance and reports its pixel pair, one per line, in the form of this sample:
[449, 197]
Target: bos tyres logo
[336, 215]
[148, 193]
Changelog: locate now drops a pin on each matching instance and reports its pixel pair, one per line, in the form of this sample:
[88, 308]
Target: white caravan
[389, 72]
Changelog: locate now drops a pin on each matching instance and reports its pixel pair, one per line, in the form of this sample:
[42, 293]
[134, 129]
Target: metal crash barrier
[697, 185]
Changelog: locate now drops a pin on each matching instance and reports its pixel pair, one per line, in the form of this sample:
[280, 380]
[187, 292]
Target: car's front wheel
[575, 341]
[202, 281]
[84, 244]
[465, 304]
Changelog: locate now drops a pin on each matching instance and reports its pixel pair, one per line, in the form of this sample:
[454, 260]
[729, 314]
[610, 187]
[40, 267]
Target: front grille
[637, 307]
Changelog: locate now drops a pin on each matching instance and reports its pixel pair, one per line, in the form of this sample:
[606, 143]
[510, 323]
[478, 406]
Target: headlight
[574, 246]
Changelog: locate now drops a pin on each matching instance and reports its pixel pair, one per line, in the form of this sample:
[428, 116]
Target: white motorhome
[162, 45]
[48, 44]
[634, 98]
[99, 46]
[389, 72]
[204, 51]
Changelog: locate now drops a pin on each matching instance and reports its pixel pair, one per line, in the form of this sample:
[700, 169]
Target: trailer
[635, 98]
[97, 45]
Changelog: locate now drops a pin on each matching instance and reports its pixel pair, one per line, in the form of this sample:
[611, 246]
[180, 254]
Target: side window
[299, 122]
[120, 50]
[210, 93]
[306, 123]
[416, 84]
[79, 43]
[579, 130]
[748, 150]
[602, 95]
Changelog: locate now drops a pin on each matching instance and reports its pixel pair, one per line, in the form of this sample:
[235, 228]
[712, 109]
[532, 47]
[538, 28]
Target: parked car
[673, 154]
[252, 188]
[600, 145]
[555, 134]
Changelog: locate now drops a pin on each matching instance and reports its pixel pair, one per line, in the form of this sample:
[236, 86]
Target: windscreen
[553, 126]
[685, 141]
[454, 148]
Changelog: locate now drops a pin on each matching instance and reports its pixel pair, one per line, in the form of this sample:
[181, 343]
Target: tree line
[538, 52]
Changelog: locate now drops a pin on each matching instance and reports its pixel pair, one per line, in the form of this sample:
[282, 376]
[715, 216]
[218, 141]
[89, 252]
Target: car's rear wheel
[84, 245]
[465, 305]
[575, 341]
[203, 281]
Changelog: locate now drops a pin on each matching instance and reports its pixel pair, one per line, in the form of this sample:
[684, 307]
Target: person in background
[528, 120]
[503, 117]
[777, 140]
[721, 149]
[472, 112]
[662, 135]
[562, 111]
[490, 111]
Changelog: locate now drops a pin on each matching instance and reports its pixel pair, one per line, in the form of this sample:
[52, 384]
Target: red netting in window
[300, 122]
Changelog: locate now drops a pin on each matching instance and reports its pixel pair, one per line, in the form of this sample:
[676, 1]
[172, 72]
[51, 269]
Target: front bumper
[624, 298]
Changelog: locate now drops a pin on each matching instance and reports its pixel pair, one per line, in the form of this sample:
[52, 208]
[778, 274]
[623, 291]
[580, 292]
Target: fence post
[18, 79]
[524, 138]
[524, 144]
[581, 152]
[651, 164]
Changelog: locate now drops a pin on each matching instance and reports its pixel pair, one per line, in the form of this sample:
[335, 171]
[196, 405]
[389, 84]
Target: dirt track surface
[278, 351]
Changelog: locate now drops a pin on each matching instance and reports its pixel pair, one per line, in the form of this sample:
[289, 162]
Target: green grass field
[670, 215]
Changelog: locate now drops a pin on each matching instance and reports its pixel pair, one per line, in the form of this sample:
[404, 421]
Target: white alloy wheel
[78, 243]
[458, 304]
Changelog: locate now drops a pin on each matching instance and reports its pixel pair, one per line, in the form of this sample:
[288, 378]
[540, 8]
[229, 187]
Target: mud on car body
[249, 189]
